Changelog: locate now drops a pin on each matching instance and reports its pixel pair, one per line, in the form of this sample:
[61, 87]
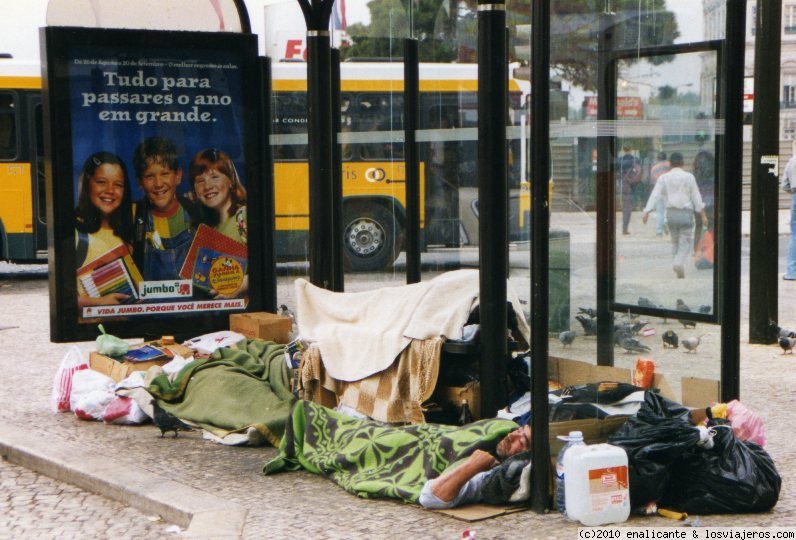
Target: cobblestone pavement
[301, 505]
[32, 505]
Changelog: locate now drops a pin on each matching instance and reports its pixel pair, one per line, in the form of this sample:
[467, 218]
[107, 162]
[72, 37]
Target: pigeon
[566, 338]
[704, 308]
[166, 421]
[682, 306]
[691, 344]
[589, 325]
[587, 311]
[285, 312]
[638, 326]
[670, 339]
[646, 302]
[787, 344]
[631, 344]
[780, 331]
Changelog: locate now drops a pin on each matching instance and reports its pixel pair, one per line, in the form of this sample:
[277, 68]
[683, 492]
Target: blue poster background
[119, 97]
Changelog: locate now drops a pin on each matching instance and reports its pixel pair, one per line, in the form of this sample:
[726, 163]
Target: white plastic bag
[123, 410]
[91, 406]
[84, 383]
[62, 384]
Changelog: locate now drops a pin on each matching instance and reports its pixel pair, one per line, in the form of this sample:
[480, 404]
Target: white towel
[362, 333]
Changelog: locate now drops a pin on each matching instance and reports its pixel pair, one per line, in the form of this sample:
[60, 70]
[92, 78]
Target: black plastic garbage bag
[655, 438]
[732, 477]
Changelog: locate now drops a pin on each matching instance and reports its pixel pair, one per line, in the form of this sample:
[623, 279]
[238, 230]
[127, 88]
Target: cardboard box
[695, 393]
[172, 348]
[455, 394]
[120, 370]
[262, 325]
[699, 393]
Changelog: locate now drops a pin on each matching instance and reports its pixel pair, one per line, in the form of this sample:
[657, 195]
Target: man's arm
[448, 485]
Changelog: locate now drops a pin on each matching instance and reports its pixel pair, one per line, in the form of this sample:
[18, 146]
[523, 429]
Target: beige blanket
[394, 395]
[362, 333]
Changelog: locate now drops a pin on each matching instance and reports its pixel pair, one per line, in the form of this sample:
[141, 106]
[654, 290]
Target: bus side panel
[16, 210]
[382, 180]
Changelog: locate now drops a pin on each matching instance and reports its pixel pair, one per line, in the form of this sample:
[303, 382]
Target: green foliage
[575, 26]
[448, 29]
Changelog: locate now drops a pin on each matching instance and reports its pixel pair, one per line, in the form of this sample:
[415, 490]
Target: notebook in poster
[215, 261]
[112, 272]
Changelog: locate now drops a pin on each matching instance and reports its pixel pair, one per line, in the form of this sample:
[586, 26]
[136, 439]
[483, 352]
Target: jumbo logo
[181, 288]
[375, 174]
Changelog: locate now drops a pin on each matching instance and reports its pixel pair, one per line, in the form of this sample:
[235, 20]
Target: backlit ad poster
[159, 176]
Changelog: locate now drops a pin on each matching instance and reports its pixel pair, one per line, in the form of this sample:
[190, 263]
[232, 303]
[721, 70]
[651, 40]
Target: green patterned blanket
[369, 459]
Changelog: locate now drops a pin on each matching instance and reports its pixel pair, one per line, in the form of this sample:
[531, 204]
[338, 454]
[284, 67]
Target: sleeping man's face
[515, 442]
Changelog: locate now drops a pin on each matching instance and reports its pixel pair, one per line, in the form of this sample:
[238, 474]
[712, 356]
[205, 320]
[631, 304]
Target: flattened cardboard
[105, 364]
[478, 512]
[120, 370]
[699, 392]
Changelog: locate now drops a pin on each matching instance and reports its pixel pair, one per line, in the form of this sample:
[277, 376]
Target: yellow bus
[23, 228]
[373, 172]
[373, 161]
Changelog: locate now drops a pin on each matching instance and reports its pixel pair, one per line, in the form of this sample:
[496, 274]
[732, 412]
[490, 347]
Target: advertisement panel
[153, 162]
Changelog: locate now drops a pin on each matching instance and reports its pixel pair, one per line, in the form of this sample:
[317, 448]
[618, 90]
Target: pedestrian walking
[630, 175]
[682, 200]
[659, 168]
[788, 184]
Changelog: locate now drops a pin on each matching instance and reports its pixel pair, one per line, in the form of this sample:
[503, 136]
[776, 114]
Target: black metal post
[493, 201]
[540, 255]
[337, 178]
[763, 244]
[411, 158]
[730, 167]
[320, 141]
[243, 15]
[268, 286]
[605, 189]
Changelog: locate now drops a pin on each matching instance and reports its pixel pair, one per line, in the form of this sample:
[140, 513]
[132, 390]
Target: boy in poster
[163, 219]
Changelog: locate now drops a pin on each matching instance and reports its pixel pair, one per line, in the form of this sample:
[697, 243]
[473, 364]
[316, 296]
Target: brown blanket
[393, 395]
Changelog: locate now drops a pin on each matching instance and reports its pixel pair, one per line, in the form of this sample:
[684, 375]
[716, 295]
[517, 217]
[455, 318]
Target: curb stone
[204, 515]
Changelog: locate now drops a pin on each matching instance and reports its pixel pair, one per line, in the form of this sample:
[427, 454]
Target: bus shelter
[527, 140]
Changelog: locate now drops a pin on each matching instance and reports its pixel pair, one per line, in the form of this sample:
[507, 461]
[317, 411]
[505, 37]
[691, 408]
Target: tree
[447, 31]
[434, 26]
[575, 26]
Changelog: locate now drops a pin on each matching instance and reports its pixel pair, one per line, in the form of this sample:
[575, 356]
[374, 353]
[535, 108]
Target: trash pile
[241, 387]
[237, 390]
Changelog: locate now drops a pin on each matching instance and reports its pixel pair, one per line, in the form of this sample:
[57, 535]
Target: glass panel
[8, 126]
[207, 15]
[663, 105]
[666, 143]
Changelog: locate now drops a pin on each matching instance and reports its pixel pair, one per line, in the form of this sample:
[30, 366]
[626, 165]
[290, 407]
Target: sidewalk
[220, 491]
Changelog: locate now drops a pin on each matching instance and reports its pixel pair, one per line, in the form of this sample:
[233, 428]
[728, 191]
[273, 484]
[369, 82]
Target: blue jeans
[790, 273]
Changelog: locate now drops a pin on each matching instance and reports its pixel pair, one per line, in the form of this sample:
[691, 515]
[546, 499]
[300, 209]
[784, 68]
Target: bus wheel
[371, 237]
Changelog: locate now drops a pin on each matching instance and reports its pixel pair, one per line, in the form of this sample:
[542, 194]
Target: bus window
[41, 208]
[290, 118]
[8, 127]
[346, 123]
[380, 112]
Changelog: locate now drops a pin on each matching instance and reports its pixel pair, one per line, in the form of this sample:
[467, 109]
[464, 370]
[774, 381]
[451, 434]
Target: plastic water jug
[596, 484]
